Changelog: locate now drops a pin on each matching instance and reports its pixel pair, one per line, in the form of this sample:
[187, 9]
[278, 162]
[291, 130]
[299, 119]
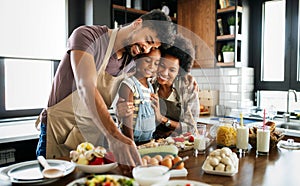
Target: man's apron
[69, 122]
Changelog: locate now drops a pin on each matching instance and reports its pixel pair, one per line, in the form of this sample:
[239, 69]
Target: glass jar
[226, 133]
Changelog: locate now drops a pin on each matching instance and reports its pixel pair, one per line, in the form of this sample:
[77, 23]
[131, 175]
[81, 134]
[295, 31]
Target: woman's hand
[155, 105]
[124, 108]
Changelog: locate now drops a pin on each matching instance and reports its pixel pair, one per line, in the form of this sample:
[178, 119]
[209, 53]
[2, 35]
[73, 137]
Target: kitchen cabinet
[231, 13]
[199, 17]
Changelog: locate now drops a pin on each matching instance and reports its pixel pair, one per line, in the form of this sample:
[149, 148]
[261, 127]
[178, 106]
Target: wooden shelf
[230, 9]
[133, 10]
[228, 37]
[227, 64]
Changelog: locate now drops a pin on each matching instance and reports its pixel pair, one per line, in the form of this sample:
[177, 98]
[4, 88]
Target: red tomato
[97, 161]
[191, 138]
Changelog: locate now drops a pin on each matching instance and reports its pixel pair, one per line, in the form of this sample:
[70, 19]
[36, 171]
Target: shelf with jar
[229, 31]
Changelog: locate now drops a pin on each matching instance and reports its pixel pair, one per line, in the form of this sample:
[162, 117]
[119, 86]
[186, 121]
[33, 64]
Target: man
[86, 82]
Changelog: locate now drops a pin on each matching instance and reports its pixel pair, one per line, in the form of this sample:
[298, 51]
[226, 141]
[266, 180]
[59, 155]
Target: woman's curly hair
[182, 49]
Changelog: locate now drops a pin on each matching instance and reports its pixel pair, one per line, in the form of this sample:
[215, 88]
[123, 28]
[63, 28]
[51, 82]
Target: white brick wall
[235, 85]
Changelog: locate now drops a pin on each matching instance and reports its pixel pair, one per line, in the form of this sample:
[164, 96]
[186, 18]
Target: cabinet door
[199, 17]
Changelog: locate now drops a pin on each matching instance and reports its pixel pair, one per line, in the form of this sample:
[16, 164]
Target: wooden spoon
[49, 172]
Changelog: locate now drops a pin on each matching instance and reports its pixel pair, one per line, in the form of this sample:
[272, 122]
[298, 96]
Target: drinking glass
[263, 140]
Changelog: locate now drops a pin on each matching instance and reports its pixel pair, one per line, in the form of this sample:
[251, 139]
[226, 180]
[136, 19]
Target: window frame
[4, 114]
[292, 51]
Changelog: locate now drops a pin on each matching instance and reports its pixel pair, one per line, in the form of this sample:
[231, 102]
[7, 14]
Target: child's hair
[137, 57]
[182, 49]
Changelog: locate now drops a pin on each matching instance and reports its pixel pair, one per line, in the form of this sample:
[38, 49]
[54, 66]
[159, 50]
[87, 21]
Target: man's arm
[85, 74]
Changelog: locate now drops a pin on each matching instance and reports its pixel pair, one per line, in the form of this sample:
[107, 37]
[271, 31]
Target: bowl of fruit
[91, 159]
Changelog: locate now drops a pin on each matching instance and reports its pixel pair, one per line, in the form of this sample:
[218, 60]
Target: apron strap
[109, 50]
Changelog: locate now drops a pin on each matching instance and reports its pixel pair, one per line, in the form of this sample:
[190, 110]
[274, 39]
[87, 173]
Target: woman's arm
[159, 117]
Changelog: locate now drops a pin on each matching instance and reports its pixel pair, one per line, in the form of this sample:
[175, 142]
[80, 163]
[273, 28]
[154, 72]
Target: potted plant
[231, 24]
[228, 53]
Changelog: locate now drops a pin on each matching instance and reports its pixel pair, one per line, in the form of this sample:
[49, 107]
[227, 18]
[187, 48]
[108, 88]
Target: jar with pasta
[226, 135]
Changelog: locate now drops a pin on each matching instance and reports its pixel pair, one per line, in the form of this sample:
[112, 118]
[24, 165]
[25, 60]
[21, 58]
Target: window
[32, 43]
[277, 54]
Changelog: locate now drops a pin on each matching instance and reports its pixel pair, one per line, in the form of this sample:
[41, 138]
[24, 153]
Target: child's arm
[127, 121]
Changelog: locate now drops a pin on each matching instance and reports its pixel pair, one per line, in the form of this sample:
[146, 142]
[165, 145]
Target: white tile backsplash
[235, 85]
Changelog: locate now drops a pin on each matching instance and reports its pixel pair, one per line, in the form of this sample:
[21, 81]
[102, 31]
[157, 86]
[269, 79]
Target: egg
[147, 158]
[144, 162]
[153, 161]
[158, 157]
[170, 156]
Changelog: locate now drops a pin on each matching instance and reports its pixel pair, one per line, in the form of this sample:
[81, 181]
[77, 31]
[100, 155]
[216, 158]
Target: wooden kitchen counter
[280, 168]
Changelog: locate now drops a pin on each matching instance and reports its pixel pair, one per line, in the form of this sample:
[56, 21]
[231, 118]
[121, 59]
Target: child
[137, 89]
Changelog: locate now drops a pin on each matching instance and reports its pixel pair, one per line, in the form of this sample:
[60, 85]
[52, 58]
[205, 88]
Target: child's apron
[69, 122]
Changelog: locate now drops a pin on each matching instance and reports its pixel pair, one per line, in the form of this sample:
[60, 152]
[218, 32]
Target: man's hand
[192, 83]
[125, 152]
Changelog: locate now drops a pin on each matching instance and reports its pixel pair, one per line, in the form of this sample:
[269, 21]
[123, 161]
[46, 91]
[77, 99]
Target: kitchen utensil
[176, 164]
[49, 172]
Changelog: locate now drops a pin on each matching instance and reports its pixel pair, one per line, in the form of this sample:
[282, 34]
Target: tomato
[97, 161]
[191, 138]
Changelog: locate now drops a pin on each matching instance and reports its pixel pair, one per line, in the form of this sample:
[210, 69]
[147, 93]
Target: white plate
[285, 145]
[83, 180]
[182, 183]
[221, 173]
[30, 172]
[96, 168]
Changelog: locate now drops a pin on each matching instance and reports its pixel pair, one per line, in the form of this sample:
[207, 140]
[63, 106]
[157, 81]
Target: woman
[176, 105]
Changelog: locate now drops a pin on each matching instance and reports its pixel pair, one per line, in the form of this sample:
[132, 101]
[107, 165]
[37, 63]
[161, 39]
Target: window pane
[27, 83]
[33, 28]
[273, 41]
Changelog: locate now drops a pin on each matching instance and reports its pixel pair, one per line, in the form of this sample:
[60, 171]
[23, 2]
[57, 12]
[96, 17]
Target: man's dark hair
[162, 24]
[182, 49]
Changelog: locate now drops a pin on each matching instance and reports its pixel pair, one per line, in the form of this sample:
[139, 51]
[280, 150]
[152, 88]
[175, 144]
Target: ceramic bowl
[147, 176]
[96, 168]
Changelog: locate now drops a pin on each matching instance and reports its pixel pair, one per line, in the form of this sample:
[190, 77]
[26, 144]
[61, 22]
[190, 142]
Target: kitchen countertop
[280, 167]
